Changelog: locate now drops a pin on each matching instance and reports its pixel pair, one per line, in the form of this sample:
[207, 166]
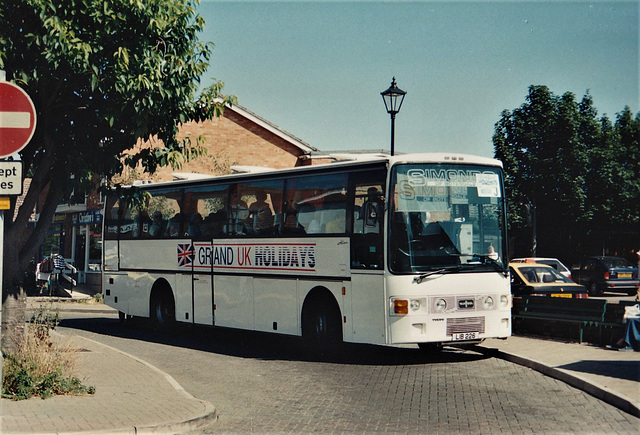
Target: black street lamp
[393, 98]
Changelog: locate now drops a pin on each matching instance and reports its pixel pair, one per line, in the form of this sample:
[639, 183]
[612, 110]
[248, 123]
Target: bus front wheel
[321, 325]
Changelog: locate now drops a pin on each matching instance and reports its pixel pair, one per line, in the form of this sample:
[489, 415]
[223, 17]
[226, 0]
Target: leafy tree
[573, 180]
[103, 74]
[614, 183]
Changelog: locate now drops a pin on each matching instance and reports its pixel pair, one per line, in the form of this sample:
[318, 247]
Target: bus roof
[469, 159]
[340, 160]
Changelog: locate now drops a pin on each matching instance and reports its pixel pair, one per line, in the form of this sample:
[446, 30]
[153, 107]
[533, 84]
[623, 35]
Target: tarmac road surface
[266, 383]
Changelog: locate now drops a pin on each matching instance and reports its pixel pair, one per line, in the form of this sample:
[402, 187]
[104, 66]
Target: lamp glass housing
[393, 98]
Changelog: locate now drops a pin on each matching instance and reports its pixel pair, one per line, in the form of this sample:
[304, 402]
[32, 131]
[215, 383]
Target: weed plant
[40, 366]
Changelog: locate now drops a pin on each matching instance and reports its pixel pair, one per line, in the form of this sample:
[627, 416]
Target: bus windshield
[446, 217]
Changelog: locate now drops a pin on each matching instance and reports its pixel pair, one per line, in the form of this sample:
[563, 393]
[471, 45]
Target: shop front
[86, 246]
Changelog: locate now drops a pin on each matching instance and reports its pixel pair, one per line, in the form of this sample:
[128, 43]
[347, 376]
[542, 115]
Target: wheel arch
[320, 297]
[161, 287]
[317, 295]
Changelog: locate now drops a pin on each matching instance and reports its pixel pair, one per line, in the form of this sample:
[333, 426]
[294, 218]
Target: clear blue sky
[316, 68]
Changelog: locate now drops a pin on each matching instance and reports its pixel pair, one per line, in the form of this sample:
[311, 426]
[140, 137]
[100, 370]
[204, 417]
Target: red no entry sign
[17, 119]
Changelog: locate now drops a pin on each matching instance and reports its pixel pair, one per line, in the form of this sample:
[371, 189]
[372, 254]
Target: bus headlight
[415, 305]
[440, 305]
[488, 303]
[504, 301]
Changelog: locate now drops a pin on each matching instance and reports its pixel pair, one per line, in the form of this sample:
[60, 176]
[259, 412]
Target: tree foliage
[102, 74]
[572, 179]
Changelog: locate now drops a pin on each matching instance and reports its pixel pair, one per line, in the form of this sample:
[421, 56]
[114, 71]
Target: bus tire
[163, 308]
[321, 326]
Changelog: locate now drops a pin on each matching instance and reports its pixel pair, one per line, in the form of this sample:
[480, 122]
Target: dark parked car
[600, 274]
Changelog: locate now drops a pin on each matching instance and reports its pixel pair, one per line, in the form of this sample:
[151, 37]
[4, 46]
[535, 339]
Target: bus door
[203, 313]
[367, 257]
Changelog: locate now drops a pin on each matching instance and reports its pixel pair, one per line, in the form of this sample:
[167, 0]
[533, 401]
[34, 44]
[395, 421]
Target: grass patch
[96, 299]
[41, 367]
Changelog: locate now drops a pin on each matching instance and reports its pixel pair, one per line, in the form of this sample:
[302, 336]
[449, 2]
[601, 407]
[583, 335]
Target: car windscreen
[616, 262]
[537, 274]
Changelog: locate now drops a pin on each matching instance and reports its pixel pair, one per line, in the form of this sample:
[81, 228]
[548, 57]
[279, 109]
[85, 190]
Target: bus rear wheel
[163, 310]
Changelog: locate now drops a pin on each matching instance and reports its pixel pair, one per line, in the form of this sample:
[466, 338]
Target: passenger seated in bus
[291, 224]
[157, 227]
[194, 229]
[314, 226]
[174, 225]
[307, 219]
[214, 224]
[337, 223]
[141, 223]
[260, 218]
[238, 213]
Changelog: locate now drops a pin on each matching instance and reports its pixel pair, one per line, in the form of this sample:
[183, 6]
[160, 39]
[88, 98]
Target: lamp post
[393, 98]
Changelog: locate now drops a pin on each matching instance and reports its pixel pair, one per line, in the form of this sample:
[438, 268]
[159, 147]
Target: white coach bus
[379, 250]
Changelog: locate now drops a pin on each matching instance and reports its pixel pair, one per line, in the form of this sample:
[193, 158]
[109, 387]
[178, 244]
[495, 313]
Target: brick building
[238, 138]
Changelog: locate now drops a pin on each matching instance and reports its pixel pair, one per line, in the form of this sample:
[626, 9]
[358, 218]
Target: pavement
[132, 396]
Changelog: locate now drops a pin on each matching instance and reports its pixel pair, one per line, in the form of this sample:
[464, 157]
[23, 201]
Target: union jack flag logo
[185, 254]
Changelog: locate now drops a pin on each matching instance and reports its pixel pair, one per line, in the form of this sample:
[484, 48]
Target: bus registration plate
[465, 336]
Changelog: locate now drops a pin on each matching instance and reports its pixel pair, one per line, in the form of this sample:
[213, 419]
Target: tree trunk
[18, 250]
[14, 302]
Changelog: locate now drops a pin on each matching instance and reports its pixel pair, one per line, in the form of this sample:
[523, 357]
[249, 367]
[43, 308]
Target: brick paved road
[264, 383]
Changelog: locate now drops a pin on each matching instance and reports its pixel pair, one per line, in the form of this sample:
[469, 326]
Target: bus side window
[333, 214]
[204, 212]
[316, 205]
[263, 206]
[163, 214]
[112, 218]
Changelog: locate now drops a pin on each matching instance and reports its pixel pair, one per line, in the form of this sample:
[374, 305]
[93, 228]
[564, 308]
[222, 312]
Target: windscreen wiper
[450, 269]
[487, 259]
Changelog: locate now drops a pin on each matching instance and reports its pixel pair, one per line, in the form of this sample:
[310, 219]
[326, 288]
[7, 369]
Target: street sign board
[10, 178]
[17, 119]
